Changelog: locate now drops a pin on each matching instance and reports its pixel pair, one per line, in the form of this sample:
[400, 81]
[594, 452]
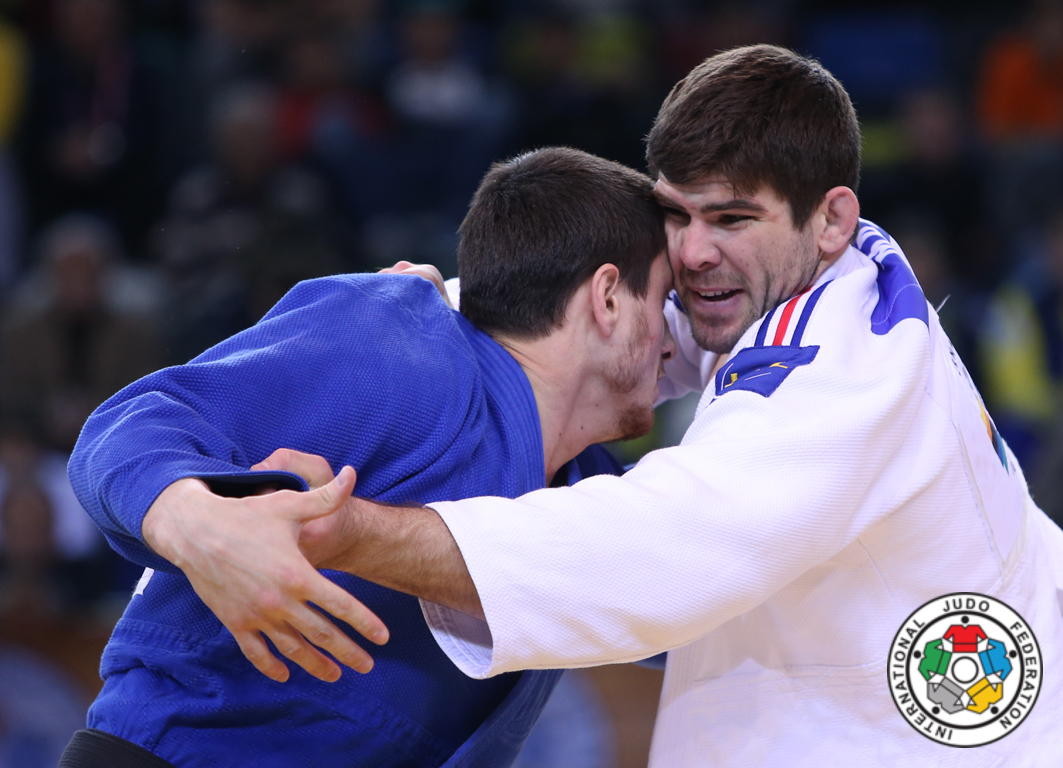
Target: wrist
[332, 542]
[160, 528]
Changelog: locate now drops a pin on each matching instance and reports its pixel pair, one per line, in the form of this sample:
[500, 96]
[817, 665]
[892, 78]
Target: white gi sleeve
[761, 490]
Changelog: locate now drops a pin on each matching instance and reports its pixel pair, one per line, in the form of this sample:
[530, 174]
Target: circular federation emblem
[964, 669]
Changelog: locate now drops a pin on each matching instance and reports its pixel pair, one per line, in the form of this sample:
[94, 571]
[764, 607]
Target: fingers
[397, 268]
[306, 630]
[311, 467]
[310, 626]
[257, 652]
[341, 604]
[312, 587]
[326, 499]
[293, 645]
[429, 272]
[432, 275]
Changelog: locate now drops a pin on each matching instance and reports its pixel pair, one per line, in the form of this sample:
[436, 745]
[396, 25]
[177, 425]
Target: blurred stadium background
[168, 168]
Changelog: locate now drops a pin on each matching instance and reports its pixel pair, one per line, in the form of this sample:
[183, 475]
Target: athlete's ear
[605, 298]
[835, 220]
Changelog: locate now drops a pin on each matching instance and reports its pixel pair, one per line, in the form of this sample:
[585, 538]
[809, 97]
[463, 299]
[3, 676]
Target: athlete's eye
[676, 215]
[729, 219]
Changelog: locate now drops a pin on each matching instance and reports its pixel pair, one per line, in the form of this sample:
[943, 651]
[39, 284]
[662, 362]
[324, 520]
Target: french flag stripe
[799, 331]
[762, 332]
[784, 321]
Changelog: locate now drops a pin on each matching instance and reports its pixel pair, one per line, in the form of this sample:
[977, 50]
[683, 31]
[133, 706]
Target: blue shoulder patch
[899, 294]
[762, 369]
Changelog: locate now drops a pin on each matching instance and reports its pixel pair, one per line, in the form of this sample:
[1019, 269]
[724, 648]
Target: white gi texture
[776, 552]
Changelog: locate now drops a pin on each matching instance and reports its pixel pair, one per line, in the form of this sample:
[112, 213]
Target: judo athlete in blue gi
[560, 346]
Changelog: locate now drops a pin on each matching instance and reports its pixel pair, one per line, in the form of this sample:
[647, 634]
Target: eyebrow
[737, 203]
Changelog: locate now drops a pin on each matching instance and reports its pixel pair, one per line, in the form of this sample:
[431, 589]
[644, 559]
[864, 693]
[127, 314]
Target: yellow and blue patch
[762, 369]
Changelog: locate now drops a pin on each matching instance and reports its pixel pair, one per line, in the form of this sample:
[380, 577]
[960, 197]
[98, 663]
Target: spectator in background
[237, 42]
[51, 565]
[585, 82]
[242, 229]
[360, 29]
[1026, 333]
[41, 704]
[85, 570]
[438, 85]
[326, 116]
[65, 349]
[28, 552]
[941, 177]
[90, 137]
[452, 121]
[245, 40]
[317, 89]
[53, 572]
[1021, 346]
[1020, 109]
[1020, 95]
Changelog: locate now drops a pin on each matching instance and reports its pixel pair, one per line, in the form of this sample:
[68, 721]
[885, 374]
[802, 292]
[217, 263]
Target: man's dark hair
[759, 116]
[540, 225]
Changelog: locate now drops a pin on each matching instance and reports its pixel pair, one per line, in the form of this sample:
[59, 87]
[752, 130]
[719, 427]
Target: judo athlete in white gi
[840, 472]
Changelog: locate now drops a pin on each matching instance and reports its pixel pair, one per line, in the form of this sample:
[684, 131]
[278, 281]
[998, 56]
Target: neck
[573, 412]
[826, 261]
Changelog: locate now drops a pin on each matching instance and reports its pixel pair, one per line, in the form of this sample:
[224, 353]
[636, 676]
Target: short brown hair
[540, 225]
[760, 115]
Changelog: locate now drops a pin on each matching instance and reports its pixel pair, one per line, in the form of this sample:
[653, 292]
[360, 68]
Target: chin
[636, 421]
[720, 336]
[716, 340]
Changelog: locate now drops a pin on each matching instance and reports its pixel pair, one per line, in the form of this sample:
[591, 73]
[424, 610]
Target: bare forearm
[408, 549]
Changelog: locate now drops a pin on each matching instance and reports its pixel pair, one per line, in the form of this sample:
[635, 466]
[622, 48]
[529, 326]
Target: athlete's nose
[694, 247]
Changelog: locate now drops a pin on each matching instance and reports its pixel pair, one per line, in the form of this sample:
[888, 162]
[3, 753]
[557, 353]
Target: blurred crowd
[169, 168]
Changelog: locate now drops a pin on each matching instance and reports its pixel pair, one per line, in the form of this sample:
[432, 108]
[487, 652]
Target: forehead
[715, 192]
[661, 271]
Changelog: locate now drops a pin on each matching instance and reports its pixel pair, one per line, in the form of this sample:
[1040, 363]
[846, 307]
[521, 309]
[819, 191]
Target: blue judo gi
[373, 371]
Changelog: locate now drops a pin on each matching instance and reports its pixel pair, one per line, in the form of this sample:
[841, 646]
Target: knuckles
[289, 648]
[270, 600]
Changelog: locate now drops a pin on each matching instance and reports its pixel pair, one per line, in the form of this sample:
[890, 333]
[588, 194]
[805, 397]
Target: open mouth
[717, 295]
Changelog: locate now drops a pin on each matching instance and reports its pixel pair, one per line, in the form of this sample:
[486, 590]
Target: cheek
[678, 268]
[674, 233]
[654, 346]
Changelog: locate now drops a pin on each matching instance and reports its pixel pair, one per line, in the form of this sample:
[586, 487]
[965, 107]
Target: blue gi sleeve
[326, 371]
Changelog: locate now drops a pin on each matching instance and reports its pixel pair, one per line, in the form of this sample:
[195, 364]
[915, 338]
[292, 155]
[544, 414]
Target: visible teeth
[713, 294]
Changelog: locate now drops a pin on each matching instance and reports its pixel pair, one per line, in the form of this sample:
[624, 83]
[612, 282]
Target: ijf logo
[965, 669]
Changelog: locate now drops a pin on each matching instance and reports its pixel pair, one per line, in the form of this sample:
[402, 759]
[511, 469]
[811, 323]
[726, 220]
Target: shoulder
[368, 306]
[864, 324]
[368, 287]
[871, 292]
[377, 337]
[371, 370]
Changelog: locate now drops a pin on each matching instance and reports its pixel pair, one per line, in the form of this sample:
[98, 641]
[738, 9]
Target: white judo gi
[839, 473]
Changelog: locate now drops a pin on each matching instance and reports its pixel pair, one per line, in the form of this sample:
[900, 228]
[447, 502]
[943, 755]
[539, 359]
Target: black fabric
[93, 748]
